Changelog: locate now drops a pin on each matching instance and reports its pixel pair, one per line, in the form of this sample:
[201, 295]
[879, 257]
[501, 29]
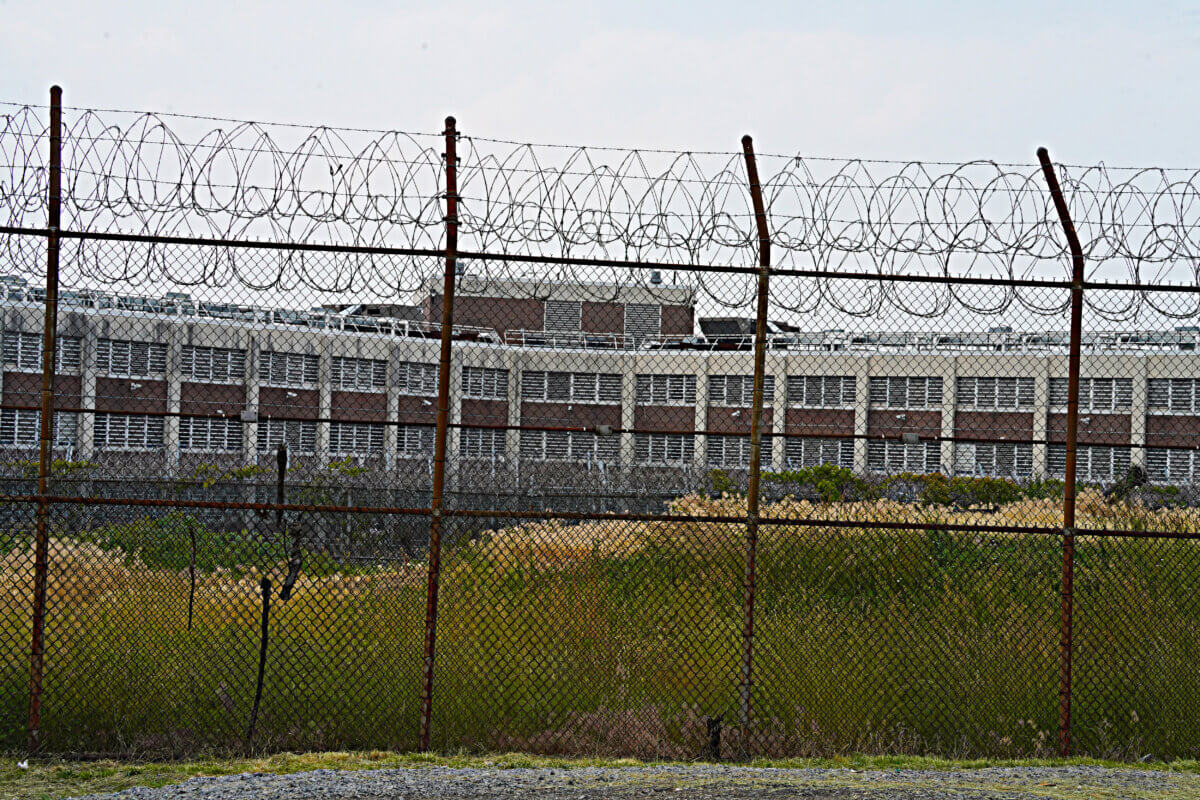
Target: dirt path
[695, 782]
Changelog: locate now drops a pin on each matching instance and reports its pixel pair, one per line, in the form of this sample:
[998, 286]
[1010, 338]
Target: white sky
[1094, 81]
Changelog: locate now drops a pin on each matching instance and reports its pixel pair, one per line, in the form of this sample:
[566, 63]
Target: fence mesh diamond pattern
[375, 439]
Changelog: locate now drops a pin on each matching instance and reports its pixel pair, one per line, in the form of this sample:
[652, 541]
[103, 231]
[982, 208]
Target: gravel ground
[693, 781]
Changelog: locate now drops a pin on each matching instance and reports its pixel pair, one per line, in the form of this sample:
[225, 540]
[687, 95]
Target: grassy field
[621, 639]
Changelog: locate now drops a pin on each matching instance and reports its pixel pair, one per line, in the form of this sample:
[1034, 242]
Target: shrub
[826, 482]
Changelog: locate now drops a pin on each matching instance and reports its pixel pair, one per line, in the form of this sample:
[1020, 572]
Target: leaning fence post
[1066, 643]
[50, 328]
[760, 348]
[263, 633]
[443, 409]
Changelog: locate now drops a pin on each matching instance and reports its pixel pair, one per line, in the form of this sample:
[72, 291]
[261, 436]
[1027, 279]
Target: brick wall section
[25, 389]
[1175, 430]
[819, 422]
[677, 320]
[1111, 429]
[484, 412]
[118, 395]
[208, 399]
[416, 410]
[358, 407]
[893, 422]
[499, 313]
[1008, 425]
[722, 420]
[664, 418]
[603, 318]
[578, 415]
[274, 402]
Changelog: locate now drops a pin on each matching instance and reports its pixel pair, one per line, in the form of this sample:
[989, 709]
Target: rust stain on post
[443, 412]
[760, 355]
[1066, 642]
[50, 328]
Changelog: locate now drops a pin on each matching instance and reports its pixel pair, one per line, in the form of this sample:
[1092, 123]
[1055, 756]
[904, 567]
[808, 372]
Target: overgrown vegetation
[621, 638]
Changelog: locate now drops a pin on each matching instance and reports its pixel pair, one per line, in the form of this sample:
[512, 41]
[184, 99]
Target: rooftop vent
[656, 277]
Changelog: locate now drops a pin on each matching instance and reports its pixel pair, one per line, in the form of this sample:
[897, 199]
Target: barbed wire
[177, 175]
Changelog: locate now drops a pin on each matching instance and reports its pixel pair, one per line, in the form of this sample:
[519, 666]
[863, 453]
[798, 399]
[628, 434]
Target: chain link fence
[370, 439]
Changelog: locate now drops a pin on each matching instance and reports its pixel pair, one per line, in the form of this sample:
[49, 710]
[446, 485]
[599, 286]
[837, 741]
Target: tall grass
[612, 637]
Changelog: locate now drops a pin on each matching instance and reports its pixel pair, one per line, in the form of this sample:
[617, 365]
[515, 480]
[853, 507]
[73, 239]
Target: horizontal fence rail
[341, 438]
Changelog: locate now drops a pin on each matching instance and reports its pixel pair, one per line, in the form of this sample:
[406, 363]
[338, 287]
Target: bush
[936, 489]
[826, 482]
[721, 482]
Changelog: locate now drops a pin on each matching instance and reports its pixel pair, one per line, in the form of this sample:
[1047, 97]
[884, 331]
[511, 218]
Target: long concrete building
[601, 377]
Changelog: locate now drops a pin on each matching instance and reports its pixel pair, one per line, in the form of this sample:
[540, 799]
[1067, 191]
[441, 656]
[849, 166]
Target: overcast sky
[1094, 81]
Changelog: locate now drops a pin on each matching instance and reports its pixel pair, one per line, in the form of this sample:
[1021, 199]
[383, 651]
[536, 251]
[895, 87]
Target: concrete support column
[324, 401]
[454, 418]
[628, 403]
[700, 454]
[949, 408]
[862, 405]
[1138, 411]
[777, 366]
[512, 437]
[250, 413]
[391, 430]
[87, 397]
[1041, 405]
[174, 393]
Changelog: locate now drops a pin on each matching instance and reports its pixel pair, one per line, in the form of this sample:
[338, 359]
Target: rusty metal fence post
[443, 411]
[1066, 644]
[50, 327]
[752, 491]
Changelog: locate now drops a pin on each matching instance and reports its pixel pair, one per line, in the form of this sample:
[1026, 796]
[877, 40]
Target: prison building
[620, 382]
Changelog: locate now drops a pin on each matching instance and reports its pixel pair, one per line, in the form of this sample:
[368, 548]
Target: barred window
[734, 451]
[665, 390]
[571, 387]
[413, 377]
[664, 448]
[23, 428]
[895, 456]
[905, 392]
[484, 443]
[994, 459]
[808, 451]
[23, 352]
[355, 438]
[821, 391]
[300, 436]
[1172, 465]
[738, 390]
[128, 432]
[218, 364]
[569, 446]
[210, 434]
[1174, 394]
[1095, 394]
[277, 368]
[358, 373]
[1093, 463]
[642, 320]
[415, 441]
[131, 359]
[485, 383]
[564, 315]
[995, 393]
